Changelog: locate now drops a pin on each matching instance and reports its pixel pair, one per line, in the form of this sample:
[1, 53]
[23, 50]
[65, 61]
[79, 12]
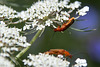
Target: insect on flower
[68, 23]
[65, 25]
[59, 52]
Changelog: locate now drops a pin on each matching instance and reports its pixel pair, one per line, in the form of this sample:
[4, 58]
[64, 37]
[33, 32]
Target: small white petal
[83, 11]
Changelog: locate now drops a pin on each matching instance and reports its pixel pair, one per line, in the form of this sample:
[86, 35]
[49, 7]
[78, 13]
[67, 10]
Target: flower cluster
[7, 13]
[48, 12]
[4, 62]
[80, 63]
[11, 40]
[45, 13]
[45, 60]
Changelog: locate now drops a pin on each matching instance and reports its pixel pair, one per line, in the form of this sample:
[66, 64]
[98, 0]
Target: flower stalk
[31, 42]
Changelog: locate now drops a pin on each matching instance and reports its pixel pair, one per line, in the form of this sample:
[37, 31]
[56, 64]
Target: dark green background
[76, 42]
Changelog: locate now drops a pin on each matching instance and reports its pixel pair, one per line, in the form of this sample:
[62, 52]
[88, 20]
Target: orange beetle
[59, 52]
[65, 25]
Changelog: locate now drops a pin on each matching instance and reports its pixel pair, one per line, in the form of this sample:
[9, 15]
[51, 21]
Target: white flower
[83, 11]
[60, 56]
[45, 13]
[4, 54]
[80, 63]
[5, 49]
[45, 60]
[11, 40]
[64, 18]
[34, 23]
[4, 62]
[14, 49]
[48, 22]
[65, 13]
[7, 12]
[26, 27]
[74, 5]
[24, 15]
[40, 27]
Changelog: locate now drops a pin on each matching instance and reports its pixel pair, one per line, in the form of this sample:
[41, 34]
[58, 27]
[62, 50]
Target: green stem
[31, 42]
